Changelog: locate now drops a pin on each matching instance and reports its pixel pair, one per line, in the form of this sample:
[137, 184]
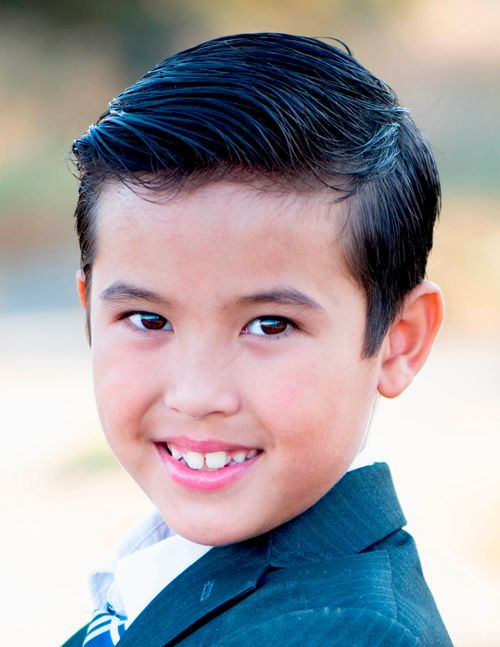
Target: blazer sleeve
[326, 627]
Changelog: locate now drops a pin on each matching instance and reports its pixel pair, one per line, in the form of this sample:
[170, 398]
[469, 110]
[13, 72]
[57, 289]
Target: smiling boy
[255, 217]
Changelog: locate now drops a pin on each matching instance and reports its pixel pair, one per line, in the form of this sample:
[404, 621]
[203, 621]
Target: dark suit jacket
[343, 573]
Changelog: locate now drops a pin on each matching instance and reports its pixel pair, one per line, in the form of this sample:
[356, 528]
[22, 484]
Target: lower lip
[204, 480]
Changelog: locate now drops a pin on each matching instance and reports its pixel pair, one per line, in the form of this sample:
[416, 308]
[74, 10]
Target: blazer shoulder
[415, 604]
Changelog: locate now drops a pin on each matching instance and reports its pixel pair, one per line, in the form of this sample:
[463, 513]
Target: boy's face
[227, 330]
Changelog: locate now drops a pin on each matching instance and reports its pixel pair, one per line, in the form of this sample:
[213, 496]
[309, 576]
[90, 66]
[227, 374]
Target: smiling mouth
[210, 461]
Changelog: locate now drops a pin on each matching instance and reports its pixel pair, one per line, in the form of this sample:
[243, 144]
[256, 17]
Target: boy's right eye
[149, 321]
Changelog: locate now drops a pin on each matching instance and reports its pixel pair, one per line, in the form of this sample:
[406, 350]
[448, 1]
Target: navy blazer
[343, 573]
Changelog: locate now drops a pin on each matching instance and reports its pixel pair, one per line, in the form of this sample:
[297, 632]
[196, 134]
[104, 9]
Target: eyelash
[290, 325]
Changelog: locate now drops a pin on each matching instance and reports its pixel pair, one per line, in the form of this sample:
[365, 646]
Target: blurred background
[64, 499]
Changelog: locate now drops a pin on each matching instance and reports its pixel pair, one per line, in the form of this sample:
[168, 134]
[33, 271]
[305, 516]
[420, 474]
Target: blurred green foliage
[134, 28]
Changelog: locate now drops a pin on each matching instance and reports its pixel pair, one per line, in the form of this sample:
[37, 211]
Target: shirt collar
[141, 575]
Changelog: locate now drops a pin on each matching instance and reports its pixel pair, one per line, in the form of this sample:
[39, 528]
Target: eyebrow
[120, 291]
[284, 297]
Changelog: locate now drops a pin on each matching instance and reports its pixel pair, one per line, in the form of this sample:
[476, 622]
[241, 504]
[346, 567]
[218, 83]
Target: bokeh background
[64, 499]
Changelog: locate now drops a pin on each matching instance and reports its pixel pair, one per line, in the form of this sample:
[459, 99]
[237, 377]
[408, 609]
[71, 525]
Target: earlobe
[81, 288]
[410, 338]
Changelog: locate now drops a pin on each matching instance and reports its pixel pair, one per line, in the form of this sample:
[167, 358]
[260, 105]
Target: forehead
[249, 205]
[220, 229]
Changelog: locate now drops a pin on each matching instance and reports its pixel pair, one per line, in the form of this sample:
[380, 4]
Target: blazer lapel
[223, 575]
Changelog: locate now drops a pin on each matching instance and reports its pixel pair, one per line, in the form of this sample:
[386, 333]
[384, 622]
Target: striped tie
[105, 629]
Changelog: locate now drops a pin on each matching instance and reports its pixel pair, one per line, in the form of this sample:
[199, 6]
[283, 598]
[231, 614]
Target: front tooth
[175, 452]
[239, 457]
[216, 460]
[194, 460]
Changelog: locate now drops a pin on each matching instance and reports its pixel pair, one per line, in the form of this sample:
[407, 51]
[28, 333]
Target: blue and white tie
[105, 629]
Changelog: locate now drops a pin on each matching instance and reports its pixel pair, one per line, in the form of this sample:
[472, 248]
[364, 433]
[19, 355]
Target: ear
[410, 338]
[81, 289]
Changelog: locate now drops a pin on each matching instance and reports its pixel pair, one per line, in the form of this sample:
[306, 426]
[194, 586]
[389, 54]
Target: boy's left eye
[268, 326]
[149, 321]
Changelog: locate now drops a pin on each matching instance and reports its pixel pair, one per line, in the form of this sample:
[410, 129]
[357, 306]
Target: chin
[216, 537]
[209, 534]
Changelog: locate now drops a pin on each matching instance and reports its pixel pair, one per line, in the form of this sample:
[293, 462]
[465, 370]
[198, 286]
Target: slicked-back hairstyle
[279, 107]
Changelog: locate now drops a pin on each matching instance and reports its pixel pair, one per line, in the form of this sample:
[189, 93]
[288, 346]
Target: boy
[255, 217]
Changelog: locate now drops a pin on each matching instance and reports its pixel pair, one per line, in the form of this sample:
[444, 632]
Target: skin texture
[215, 372]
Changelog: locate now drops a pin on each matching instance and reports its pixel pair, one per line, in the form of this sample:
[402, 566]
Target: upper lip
[205, 446]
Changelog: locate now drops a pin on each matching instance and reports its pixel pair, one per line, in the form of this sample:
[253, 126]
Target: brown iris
[152, 321]
[273, 326]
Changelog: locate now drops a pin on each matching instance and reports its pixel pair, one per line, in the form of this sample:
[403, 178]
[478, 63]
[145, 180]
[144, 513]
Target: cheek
[122, 399]
[281, 393]
[122, 389]
[293, 398]
[309, 404]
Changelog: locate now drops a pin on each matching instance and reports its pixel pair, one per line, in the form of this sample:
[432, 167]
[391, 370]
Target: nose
[201, 386]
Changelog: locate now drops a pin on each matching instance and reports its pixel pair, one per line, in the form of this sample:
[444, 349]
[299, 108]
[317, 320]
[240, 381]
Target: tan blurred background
[64, 500]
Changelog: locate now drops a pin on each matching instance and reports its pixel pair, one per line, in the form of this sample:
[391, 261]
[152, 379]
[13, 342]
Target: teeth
[211, 460]
[175, 453]
[216, 460]
[194, 460]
